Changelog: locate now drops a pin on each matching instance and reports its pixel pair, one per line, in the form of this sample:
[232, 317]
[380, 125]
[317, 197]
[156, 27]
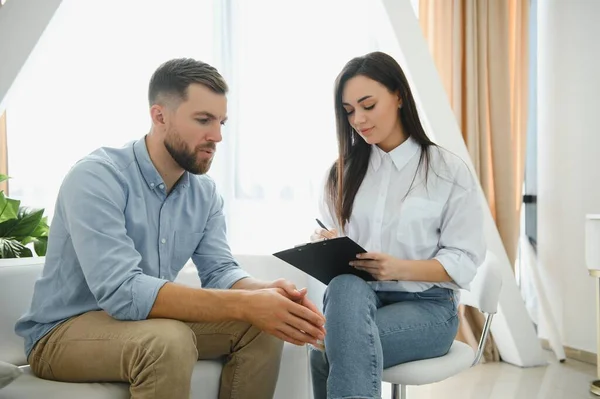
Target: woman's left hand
[382, 267]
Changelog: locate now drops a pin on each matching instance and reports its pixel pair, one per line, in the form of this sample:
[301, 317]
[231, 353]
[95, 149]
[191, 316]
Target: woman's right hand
[322, 234]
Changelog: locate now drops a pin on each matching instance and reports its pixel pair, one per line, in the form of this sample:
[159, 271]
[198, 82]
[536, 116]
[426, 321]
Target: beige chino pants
[157, 356]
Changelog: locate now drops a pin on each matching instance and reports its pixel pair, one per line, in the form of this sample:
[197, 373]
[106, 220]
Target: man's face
[194, 128]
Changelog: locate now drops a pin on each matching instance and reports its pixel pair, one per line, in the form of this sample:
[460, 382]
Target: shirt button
[163, 240]
[161, 186]
[163, 276]
[152, 185]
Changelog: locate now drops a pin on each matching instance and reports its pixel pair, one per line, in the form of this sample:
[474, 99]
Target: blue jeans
[368, 331]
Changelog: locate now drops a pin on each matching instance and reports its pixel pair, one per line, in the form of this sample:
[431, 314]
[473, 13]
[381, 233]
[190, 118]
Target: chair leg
[398, 391]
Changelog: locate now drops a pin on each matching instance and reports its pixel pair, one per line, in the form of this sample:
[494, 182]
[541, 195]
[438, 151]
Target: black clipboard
[325, 259]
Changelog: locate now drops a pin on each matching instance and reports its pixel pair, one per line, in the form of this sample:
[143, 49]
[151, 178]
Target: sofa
[16, 288]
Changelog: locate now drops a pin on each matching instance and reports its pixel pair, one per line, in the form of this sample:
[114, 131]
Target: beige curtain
[3, 153]
[480, 48]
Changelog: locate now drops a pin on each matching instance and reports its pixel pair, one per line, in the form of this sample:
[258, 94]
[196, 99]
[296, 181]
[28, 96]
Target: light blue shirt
[116, 238]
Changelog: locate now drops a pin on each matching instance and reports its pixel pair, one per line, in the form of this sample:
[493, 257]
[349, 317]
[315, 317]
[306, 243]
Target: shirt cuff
[228, 279]
[145, 291]
[459, 267]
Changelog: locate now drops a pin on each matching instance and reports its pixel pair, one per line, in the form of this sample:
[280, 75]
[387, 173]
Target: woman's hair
[348, 172]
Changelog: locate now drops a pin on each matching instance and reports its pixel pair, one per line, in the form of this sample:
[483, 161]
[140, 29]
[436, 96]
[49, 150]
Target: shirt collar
[399, 155]
[149, 172]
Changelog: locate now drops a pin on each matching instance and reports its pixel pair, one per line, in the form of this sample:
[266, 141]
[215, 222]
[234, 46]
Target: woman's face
[373, 111]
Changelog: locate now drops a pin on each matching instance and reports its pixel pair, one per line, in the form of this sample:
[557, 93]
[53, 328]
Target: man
[126, 222]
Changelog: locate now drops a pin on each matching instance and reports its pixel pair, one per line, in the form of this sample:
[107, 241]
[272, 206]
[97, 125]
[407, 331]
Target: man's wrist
[236, 303]
[249, 283]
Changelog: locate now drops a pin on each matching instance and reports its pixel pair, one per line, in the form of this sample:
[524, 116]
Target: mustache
[207, 146]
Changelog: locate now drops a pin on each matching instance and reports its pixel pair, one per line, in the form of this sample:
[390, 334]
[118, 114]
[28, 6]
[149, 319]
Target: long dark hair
[347, 173]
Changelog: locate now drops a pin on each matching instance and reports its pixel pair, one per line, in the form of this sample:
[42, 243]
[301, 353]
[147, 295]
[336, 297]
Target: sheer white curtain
[283, 62]
[85, 85]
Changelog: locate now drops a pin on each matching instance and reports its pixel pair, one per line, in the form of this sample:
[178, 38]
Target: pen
[321, 224]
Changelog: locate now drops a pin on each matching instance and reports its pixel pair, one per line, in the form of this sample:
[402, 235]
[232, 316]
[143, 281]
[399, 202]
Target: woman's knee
[348, 286]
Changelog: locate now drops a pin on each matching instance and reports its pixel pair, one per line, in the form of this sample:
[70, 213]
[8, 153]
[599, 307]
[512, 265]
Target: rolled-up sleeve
[94, 199]
[216, 266]
[462, 239]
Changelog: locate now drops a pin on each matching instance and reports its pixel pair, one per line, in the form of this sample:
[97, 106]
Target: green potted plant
[21, 229]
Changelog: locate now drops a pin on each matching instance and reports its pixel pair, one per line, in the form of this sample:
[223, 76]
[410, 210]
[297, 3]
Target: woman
[416, 208]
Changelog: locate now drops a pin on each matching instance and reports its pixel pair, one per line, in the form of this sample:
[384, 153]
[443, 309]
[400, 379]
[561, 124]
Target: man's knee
[169, 340]
[274, 346]
[264, 343]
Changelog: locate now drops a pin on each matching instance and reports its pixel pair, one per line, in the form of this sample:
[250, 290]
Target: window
[85, 84]
[284, 68]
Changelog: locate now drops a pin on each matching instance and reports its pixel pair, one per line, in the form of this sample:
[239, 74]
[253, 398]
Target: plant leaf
[9, 208]
[7, 226]
[3, 177]
[40, 245]
[26, 253]
[11, 248]
[42, 228]
[29, 219]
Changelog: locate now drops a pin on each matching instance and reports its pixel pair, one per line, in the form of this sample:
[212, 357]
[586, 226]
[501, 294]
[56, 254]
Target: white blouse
[442, 221]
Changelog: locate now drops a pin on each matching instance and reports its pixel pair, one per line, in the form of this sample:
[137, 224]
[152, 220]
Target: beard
[188, 159]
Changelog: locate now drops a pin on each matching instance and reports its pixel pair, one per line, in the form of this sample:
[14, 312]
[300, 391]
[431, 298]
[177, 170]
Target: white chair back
[485, 287]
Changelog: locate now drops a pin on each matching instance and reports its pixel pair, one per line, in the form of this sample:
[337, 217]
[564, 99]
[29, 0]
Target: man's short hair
[172, 79]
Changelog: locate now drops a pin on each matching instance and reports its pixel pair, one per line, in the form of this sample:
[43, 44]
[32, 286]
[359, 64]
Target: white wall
[568, 160]
[22, 23]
